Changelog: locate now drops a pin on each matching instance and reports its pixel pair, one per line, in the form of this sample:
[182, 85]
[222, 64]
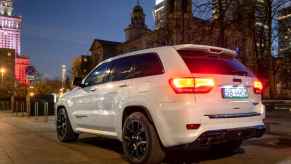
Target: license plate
[235, 93]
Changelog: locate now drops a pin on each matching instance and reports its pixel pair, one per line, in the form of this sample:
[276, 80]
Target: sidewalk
[279, 122]
[27, 140]
[29, 122]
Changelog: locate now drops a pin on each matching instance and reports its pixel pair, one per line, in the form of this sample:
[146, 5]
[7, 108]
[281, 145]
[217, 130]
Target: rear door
[233, 92]
[116, 91]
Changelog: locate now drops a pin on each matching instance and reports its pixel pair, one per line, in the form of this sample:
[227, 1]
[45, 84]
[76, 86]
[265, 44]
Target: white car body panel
[101, 111]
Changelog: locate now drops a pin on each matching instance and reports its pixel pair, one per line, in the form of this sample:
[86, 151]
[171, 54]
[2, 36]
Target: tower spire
[137, 27]
[6, 7]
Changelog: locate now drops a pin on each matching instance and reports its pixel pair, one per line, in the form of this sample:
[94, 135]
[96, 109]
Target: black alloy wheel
[136, 139]
[141, 144]
[65, 132]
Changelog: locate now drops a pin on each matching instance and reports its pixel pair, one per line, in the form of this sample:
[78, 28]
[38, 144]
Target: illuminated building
[21, 65]
[285, 32]
[10, 38]
[10, 27]
[160, 13]
[284, 50]
[7, 62]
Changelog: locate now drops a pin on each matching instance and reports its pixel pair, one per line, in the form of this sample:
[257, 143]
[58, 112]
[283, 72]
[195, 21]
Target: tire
[141, 144]
[65, 132]
[228, 147]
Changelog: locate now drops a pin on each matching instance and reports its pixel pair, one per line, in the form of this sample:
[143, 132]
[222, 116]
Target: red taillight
[258, 87]
[192, 85]
[204, 85]
[192, 126]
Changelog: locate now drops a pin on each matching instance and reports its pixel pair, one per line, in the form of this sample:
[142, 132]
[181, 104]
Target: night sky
[56, 31]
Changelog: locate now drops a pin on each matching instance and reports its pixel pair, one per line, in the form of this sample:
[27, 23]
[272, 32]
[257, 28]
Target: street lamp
[61, 93]
[2, 71]
[31, 94]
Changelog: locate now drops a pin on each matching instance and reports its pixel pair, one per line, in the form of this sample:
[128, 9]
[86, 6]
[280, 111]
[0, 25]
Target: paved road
[30, 141]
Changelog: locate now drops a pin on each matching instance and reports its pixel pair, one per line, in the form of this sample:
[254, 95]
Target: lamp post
[2, 71]
[64, 74]
[29, 96]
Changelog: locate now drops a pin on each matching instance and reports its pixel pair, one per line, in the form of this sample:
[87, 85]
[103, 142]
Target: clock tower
[6, 7]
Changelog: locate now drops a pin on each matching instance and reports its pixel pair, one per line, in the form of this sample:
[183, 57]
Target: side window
[148, 65]
[98, 76]
[122, 69]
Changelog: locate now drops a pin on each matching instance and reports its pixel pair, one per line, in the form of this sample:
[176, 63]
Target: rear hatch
[233, 94]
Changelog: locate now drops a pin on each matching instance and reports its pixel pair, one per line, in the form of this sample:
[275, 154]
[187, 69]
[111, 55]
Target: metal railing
[4, 105]
[23, 108]
[277, 104]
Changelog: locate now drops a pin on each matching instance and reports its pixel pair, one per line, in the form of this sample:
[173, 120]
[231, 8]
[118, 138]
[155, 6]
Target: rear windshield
[206, 63]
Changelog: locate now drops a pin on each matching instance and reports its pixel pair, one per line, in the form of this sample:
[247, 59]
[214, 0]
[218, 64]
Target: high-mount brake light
[192, 85]
[215, 51]
[258, 87]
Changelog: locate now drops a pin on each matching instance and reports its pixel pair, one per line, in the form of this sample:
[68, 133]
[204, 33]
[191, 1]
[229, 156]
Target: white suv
[154, 99]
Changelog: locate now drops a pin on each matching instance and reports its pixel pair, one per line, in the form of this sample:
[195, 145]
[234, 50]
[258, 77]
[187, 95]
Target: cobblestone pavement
[26, 140]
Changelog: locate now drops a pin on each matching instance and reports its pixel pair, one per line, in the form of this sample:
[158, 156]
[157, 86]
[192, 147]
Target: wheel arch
[63, 106]
[138, 108]
[59, 107]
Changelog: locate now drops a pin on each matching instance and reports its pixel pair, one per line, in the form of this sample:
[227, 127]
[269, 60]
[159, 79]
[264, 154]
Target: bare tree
[202, 9]
[250, 16]
[268, 37]
[218, 11]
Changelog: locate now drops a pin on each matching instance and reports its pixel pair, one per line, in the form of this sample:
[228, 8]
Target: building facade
[7, 65]
[10, 38]
[81, 66]
[284, 21]
[137, 28]
[10, 27]
[175, 24]
[103, 49]
[21, 65]
[160, 13]
[7, 62]
[225, 8]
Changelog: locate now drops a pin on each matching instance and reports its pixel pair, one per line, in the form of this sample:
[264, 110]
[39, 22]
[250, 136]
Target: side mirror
[78, 82]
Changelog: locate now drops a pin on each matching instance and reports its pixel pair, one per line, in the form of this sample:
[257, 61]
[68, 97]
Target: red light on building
[21, 65]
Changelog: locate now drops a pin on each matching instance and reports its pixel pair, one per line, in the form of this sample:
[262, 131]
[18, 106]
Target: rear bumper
[171, 123]
[226, 135]
[209, 138]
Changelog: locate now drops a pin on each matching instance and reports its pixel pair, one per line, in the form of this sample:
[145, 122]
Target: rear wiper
[241, 73]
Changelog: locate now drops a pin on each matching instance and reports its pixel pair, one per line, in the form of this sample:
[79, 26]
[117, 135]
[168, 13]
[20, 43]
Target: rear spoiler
[208, 49]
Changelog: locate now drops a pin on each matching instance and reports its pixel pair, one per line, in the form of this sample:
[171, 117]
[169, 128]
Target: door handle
[123, 86]
[81, 116]
[92, 89]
